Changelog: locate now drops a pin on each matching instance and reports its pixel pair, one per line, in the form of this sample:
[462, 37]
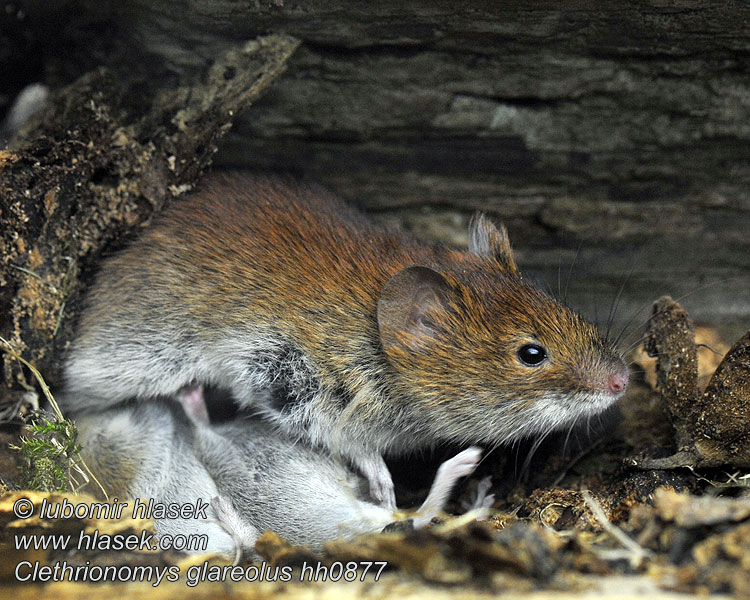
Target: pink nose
[617, 382]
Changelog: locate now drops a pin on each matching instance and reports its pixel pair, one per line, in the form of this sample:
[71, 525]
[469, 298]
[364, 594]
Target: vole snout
[612, 377]
[618, 379]
[608, 376]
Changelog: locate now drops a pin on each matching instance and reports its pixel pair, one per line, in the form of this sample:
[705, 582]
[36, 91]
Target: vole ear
[408, 308]
[488, 241]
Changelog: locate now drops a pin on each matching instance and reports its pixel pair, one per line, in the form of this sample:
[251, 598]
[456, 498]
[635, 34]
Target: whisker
[616, 303]
[535, 446]
[577, 432]
[678, 299]
[567, 437]
[635, 344]
[517, 446]
[630, 321]
[570, 272]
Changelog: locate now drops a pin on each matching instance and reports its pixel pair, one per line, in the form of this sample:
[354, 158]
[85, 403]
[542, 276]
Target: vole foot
[448, 473]
[373, 467]
[382, 489]
[244, 535]
[482, 501]
[460, 465]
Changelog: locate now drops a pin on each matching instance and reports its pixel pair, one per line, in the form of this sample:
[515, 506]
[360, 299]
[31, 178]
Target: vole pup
[267, 481]
[255, 478]
[367, 340]
[148, 451]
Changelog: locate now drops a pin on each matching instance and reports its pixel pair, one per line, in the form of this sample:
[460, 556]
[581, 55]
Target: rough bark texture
[622, 131]
[91, 172]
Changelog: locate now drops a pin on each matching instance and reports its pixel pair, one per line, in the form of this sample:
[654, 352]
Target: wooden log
[620, 130]
[93, 171]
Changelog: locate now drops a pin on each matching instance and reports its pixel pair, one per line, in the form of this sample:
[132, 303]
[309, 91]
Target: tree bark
[93, 171]
[614, 136]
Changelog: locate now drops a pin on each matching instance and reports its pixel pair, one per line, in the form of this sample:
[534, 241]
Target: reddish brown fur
[247, 251]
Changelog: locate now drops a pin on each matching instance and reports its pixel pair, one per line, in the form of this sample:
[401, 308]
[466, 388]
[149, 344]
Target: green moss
[50, 452]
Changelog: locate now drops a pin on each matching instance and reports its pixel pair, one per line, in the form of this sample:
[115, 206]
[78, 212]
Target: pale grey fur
[255, 477]
[303, 494]
[30, 101]
[247, 362]
[150, 449]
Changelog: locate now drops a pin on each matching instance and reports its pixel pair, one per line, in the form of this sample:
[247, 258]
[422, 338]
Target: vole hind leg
[376, 472]
[244, 534]
[193, 402]
[481, 501]
[448, 473]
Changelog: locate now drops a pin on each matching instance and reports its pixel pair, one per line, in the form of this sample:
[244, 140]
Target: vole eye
[532, 355]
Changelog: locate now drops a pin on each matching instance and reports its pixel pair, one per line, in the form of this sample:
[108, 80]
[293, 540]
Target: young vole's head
[485, 357]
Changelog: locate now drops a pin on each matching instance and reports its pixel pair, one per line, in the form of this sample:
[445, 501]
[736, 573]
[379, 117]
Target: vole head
[485, 357]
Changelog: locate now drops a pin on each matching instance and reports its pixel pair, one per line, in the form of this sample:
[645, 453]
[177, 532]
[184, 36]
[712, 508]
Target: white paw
[243, 534]
[224, 510]
[462, 464]
[373, 467]
[482, 501]
[383, 491]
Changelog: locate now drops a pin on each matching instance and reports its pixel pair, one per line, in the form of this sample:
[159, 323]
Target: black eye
[532, 355]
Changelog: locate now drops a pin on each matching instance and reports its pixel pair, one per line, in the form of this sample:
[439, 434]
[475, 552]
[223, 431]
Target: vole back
[250, 265]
